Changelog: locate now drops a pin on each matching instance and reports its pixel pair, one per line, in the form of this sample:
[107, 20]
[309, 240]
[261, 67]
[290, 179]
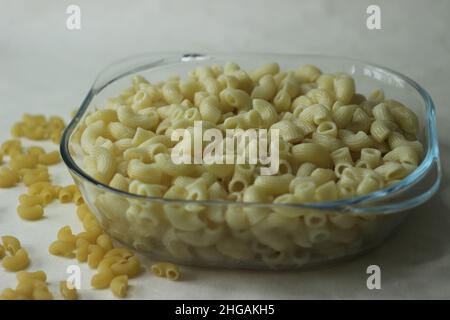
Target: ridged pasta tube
[315, 114]
[308, 73]
[267, 88]
[288, 131]
[404, 155]
[267, 112]
[271, 68]
[148, 173]
[274, 185]
[313, 153]
[355, 141]
[344, 87]
[128, 117]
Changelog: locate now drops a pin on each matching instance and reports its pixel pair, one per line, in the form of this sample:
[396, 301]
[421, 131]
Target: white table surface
[46, 68]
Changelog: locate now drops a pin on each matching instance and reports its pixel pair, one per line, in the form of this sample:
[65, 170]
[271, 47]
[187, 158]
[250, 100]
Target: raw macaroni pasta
[14, 257]
[334, 143]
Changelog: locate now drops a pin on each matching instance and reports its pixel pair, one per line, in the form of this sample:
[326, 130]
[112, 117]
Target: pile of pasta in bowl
[332, 144]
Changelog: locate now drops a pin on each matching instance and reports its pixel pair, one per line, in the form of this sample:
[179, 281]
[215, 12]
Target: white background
[45, 68]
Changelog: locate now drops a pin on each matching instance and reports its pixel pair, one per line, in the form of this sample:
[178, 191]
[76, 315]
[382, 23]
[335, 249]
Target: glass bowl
[269, 235]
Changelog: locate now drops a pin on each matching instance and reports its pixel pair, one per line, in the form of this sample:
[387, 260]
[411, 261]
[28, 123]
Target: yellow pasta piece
[282, 100]
[289, 131]
[47, 194]
[270, 68]
[95, 256]
[267, 88]
[50, 158]
[312, 153]
[105, 242]
[32, 178]
[62, 249]
[10, 147]
[404, 155]
[56, 123]
[308, 73]
[172, 272]
[119, 182]
[56, 136]
[107, 262]
[77, 198]
[9, 294]
[83, 211]
[158, 269]
[274, 185]
[34, 119]
[172, 93]
[65, 195]
[11, 244]
[25, 289]
[82, 249]
[17, 130]
[24, 276]
[90, 236]
[34, 171]
[8, 177]
[30, 200]
[119, 252]
[119, 286]
[66, 293]
[31, 213]
[18, 261]
[130, 266]
[102, 279]
[42, 294]
[36, 188]
[235, 98]
[322, 97]
[404, 117]
[327, 192]
[344, 86]
[355, 141]
[65, 234]
[315, 114]
[32, 285]
[20, 161]
[91, 224]
[35, 150]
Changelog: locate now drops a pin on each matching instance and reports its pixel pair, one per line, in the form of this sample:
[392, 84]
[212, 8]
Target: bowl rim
[357, 204]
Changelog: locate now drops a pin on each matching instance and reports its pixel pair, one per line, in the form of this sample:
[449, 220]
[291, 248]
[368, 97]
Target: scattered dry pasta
[102, 279]
[38, 127]
[16, 262]
[30, 286]
[66, 292]
[66, 194]
[119, 286]
[114, 265]
[15, 258]
[28, 212]
[62, 248]
[30, 166]
[167, 270]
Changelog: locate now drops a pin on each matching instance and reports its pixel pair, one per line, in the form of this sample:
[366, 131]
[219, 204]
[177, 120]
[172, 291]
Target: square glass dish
[268, 235]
